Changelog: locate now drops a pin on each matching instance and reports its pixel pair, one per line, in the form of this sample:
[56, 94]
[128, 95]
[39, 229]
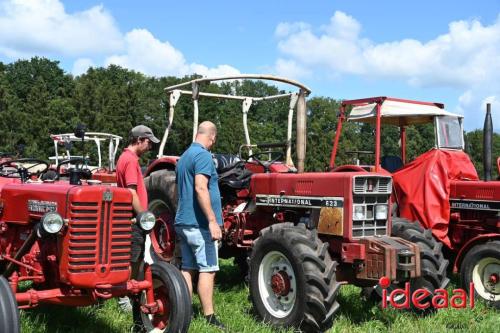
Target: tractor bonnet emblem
[37, 206]
[107, 196]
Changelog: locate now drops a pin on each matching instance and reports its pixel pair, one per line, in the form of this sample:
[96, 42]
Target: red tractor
[439, 190]
[104, 169]
[68, 243]
[306, 233]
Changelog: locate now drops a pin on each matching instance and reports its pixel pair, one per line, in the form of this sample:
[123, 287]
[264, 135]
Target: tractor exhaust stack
[487, 143]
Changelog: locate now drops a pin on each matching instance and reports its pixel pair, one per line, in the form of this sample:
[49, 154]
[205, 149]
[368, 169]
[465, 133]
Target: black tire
[175, 293]
[478, 259]
[433, 265]
[9, 313]
[304, 258]
[162, 197]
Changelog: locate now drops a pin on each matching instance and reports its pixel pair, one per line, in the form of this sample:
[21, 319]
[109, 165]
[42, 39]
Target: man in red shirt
[129, 175]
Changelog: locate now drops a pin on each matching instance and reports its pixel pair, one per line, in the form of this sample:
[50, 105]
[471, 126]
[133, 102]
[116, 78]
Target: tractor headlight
[359, 212]
[52, 222]
[381, 212]
[146, 220]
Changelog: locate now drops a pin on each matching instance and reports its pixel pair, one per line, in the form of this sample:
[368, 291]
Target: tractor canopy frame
[96, 137]
[297, 101]
[402, 113]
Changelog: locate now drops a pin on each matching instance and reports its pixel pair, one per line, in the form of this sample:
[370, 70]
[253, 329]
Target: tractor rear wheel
[9, 313]
[481, 265]
[162, 197]
[292, 278]
[172, 295]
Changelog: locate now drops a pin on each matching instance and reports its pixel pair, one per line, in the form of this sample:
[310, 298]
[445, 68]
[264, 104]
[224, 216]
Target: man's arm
[136, 203]
[203, 196]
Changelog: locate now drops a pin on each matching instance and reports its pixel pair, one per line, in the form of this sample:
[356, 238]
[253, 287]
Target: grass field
[235, 310]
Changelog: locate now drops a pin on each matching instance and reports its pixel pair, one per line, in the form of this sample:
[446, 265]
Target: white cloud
[81, 66]
[284, 29]
[144, 53]
[44, 28]
[147, 54]
[464, 59]
[290, 68]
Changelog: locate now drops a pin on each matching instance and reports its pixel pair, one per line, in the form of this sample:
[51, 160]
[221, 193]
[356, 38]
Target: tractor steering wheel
[266, 164]
[18, 170]
[80, 164]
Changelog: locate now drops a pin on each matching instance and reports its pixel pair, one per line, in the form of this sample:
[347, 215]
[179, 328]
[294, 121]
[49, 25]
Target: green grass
[235, 310]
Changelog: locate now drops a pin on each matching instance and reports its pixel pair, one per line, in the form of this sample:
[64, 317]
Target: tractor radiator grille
[372, 184]
[370, 193]
[100, 237]
[369, 225]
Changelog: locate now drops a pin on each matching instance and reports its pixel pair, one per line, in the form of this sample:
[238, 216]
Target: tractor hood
[23, 203]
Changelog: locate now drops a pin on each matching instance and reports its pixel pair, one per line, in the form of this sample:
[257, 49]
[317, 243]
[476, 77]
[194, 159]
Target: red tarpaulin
[422, 188]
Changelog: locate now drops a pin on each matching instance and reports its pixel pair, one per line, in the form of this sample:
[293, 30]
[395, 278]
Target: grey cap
[142, 131]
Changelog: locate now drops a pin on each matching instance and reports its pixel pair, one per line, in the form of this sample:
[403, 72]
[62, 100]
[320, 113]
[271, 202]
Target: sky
[439, 51]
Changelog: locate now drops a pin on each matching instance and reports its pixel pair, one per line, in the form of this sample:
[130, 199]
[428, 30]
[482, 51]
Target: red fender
[467, 246]
[165, 162]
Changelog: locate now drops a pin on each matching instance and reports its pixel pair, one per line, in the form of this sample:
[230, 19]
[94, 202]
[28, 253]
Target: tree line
[38, 98]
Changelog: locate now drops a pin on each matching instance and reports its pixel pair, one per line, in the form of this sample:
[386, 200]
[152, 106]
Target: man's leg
[188, 276]
[188, 262]
[206, 291]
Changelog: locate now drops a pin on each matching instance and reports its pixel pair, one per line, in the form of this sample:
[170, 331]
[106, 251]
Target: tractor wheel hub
[280, 283]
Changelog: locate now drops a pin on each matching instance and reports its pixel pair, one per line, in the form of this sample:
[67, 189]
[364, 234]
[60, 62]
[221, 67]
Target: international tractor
[305, 233]
[67, 242]
[438, 191]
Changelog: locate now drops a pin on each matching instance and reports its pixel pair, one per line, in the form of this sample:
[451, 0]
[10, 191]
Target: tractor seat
[392, 163]
[224, 162]
[232, 171]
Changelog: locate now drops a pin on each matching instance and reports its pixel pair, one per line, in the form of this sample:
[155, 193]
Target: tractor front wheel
[162, 198]
[9, 313]
[292, 278]
[481, 265]
[172, 297]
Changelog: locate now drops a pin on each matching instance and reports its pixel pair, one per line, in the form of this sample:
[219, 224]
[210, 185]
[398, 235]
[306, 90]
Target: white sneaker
[125, 304]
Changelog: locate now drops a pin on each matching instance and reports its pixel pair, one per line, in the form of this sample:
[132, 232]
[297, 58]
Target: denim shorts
[199, 252]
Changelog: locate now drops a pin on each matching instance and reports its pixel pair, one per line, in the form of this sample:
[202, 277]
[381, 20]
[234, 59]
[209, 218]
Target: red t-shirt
[128, 172]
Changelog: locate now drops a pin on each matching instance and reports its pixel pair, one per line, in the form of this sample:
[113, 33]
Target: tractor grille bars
[368, 193]
[100, 237]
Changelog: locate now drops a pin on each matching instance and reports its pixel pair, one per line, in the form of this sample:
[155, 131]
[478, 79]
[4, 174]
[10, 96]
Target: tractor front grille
[368, 193]
[99, 237]
[372, 184]
[83, 230]
[370, 226]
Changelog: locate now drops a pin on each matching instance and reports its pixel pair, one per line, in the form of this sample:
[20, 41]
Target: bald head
[206, 134]
[208, 128]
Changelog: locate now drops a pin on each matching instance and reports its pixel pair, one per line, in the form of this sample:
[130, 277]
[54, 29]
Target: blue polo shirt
[196, 160]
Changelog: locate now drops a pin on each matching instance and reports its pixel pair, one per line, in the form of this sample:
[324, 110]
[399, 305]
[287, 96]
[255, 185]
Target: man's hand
[215, 230]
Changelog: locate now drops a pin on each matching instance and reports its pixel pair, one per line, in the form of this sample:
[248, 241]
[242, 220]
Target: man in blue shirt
[199, 216]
